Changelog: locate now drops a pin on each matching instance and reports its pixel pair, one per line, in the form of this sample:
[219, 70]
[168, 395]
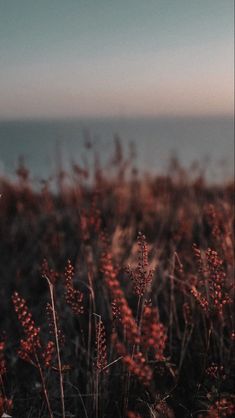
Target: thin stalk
[51, 288]
[96, 388]
[139, 310]
[89, 333]
[44, 386]
[97, 394]
[134, 348]
[171, 317]
[92, 305]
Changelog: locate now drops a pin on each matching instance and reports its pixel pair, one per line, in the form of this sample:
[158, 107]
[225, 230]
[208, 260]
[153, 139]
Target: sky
[86, 58]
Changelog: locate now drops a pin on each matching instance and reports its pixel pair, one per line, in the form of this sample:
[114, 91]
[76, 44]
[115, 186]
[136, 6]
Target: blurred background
[157, 74]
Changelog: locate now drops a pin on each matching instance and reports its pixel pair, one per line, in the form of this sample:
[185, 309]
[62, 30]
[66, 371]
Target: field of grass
[116, 295]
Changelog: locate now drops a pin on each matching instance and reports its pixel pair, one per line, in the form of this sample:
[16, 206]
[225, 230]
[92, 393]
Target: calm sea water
[208, 141]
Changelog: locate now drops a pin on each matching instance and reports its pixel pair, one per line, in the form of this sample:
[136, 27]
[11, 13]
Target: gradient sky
[69, 58]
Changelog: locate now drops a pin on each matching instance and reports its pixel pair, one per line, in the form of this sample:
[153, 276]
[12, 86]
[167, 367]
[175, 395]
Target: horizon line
[70, 118]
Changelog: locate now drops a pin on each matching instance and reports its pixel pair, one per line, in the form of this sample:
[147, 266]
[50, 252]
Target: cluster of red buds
[101, 348]
[141, 276]
[222, 408]
[31, 349]
[27, 351]
[200, 299]
[135, 364]
[74, 298]
[153, 332]
[49, 354]
[49, 273]
[26, 321]
[128, 322]
[116, 313]
[211, 270]
[50, 320]
[218, 292]
[215, 371]
[199, 259]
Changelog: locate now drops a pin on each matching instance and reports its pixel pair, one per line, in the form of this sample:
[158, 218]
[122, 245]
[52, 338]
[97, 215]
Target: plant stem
[44, 386]
[51, 288]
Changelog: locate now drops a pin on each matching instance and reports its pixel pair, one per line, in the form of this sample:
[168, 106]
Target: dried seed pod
[74, 298]
[101, 348]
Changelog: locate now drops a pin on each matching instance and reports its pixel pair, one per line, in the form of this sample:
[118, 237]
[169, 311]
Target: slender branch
[51, 288]
[44, 386]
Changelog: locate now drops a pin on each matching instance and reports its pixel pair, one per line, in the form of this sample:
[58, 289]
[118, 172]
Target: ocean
[207, 141]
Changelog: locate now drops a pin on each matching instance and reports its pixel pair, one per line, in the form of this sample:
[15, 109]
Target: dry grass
[131, 324]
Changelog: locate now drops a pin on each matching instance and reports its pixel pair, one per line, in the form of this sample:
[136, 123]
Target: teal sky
[115, 58]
